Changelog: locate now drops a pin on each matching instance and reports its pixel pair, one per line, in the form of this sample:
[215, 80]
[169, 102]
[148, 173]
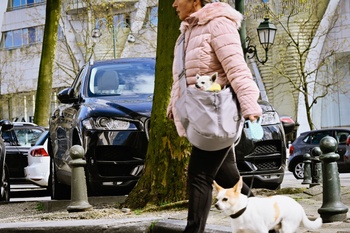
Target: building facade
[105, 30]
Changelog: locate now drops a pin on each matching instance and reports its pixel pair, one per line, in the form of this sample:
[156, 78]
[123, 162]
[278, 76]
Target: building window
[25, 3]
[151, 17]
[26, 36]
[20, 4]
[22, 37]
[60, 35]
[121, 21]
[31, 35]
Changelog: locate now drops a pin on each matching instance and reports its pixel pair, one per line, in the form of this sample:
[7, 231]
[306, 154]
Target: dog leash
[254, 132]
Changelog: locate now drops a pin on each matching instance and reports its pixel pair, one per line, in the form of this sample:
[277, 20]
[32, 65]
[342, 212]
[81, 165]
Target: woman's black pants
[203, 168]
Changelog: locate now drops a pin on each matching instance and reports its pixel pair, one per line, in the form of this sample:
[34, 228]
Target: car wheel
[58, 191]
[5, 185]
[298, 169]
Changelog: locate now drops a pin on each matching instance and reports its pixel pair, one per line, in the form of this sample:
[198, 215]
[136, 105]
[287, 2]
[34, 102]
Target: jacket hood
[210, 12]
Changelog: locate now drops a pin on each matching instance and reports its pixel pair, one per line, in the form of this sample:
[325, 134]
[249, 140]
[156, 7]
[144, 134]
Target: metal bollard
[307, 168]
[316, 166]
[332, 208]
[79, 200]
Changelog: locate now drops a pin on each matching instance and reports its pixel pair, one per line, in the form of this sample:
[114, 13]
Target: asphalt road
[290, 181]
[28, 192]
[35, 193]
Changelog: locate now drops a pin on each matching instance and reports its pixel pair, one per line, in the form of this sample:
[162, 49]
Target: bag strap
[181, 54]
[181, 47]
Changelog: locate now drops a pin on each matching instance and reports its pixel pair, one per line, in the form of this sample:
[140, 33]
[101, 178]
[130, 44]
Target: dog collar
[238, 213]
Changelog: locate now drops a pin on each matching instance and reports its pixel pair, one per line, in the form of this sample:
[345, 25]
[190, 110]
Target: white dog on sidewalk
[261, 214]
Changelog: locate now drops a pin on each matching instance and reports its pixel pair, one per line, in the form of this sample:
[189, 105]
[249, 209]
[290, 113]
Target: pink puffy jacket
[212, 44]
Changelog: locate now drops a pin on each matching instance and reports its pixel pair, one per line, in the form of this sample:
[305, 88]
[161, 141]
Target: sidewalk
[170, 222]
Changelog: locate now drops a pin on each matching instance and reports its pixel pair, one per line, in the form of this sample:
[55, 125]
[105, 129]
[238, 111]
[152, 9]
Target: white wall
[321, 45]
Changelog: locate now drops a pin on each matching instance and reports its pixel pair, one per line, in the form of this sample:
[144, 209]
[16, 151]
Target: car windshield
[122, 79]
[27, 137]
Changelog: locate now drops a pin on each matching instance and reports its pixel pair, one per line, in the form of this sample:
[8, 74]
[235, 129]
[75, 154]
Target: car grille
[267, 165]
[118, 161]
[265, 149]
[266, 156]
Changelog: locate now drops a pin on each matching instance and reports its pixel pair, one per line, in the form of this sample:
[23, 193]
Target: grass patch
[180, 205]
[40, 206]
[290, 190]
[138, 211]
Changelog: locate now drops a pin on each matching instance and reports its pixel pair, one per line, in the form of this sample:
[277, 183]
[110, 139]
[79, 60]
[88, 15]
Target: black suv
[264, 161]
[107, 111]
[4, 172]
[18, 140]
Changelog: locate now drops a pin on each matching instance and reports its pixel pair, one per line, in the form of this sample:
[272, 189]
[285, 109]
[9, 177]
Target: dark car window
[341, 137]
[315, 138]
[77, 82]
[122, 79]
[7, 137]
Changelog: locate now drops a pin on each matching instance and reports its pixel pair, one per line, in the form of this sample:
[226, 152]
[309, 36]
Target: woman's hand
[253, 118]
[170, 115]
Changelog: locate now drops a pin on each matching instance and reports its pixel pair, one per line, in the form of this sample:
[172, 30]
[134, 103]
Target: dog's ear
[238, 187]
[216, 186]
[198, 76]
[214, 76]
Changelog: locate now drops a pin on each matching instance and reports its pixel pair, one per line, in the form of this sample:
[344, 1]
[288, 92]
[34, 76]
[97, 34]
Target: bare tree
[300, 32]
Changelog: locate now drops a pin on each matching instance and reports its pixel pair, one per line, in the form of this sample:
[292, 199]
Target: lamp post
[96, 33]
[266, 33]
[239, 5]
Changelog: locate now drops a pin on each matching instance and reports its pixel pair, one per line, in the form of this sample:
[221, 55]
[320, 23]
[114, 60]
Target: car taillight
[291, 149]
[348, 141]
[41, 152]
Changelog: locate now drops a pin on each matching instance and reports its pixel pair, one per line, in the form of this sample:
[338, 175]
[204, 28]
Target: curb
[178, 226]
[132, 225]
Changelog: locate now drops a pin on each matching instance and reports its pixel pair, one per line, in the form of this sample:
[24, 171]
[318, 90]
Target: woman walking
[212, 44]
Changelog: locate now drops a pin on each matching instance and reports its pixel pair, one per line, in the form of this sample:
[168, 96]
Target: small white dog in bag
[261, 214]
[207, 82]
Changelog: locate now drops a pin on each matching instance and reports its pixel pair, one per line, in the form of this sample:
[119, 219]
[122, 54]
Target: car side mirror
[66, 96]
[6, 125]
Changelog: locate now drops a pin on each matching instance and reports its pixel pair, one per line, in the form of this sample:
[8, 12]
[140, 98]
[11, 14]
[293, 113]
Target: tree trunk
[44, 88]
[164, 178]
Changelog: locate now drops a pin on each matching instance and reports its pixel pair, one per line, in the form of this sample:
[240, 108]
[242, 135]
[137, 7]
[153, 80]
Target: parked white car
[38, 169]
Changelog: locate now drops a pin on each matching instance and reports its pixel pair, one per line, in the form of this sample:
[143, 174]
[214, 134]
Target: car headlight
[106, 123]
[270, 118]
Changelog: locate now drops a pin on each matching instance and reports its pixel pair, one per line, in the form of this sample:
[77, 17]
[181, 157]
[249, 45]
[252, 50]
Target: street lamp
[96, 34]
[266, 33]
